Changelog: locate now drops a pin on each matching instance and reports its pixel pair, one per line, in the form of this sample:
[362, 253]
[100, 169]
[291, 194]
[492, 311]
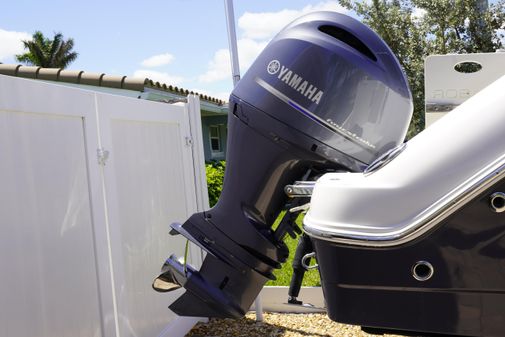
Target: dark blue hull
[375, 287]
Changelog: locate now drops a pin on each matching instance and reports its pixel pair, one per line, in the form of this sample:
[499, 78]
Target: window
[215, 138]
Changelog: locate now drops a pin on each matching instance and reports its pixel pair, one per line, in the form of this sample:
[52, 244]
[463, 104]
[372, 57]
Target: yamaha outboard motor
[327, 94]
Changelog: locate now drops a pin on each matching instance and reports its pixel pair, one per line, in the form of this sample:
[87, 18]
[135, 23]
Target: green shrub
[215, 176]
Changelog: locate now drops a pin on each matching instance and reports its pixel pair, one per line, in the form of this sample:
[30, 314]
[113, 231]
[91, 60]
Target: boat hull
[375, 287]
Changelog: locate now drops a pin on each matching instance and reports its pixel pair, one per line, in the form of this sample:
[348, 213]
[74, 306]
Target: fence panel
[49, 278]
[83, 234]
[149, 184]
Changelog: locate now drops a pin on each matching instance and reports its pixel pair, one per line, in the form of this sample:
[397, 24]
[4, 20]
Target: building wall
[220, 121]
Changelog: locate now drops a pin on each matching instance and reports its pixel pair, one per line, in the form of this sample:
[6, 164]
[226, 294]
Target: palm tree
[43, 52]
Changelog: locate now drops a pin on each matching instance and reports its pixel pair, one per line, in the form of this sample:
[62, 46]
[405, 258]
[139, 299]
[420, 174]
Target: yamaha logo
[273, 67]
[295, 81]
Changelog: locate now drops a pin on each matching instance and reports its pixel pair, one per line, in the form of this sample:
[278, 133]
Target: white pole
[258, 306]
[232, 40]
[235, 73]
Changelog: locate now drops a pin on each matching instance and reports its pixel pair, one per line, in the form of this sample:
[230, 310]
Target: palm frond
[55, 47]
[41, 51]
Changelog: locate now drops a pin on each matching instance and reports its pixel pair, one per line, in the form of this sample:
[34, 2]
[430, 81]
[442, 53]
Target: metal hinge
[102, 156]
[300, 189]
[189, 141]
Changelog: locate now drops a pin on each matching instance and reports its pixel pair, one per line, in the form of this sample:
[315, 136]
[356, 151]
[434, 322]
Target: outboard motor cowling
[326, 94]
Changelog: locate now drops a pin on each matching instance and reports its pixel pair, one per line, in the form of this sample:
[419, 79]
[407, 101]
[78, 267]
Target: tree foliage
[415, 29]
[48, 53]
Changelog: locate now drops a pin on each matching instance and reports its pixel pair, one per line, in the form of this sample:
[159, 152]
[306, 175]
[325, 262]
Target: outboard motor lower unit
[326, 94]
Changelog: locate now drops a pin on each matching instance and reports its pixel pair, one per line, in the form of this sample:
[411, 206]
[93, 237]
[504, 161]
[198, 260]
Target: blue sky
[179, 42]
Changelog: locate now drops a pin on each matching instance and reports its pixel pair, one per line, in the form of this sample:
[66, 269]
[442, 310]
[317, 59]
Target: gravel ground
[277, 325]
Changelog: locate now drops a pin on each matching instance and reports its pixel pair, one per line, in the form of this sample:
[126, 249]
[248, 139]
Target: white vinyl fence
[89, 183]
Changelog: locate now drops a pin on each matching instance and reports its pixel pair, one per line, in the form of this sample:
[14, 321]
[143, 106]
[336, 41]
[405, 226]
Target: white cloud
[256, 30]
[248, 51]
[158, 76]
[220, 67]
[265, 25]
[10, 43]
[157, 60]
